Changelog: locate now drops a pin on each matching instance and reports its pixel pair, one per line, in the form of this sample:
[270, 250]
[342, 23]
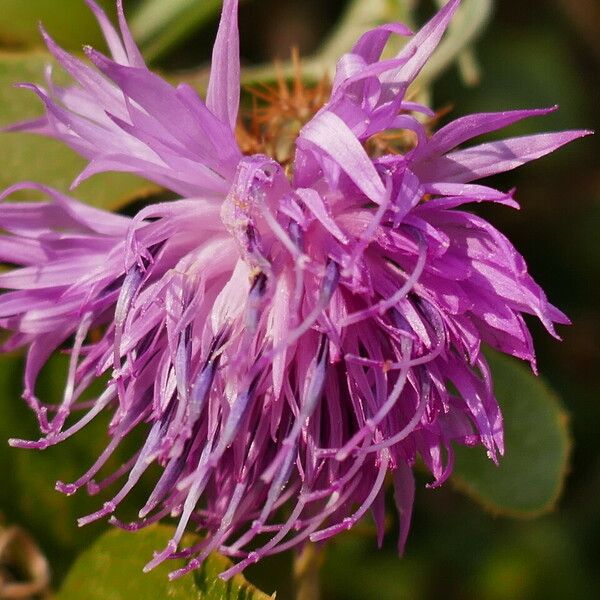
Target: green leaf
[158, 25]
[531, 475]
[111, 569]
[71, 26]
[27, 157]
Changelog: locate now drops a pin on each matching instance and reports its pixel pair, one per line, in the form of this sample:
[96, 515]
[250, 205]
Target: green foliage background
[534, 53]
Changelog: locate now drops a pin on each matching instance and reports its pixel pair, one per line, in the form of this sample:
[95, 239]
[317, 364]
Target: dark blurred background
[534, 53]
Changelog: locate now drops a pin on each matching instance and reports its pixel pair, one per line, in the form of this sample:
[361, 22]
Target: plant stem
[306, 572]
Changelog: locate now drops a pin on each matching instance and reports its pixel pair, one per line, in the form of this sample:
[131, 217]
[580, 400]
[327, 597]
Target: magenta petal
[133, 53]
[110, 35]
[404, 495]
[331, 135]
[371, 44]
[94, 219]
[466, 128]
[421, 46]
[494, 157]
[223, 95]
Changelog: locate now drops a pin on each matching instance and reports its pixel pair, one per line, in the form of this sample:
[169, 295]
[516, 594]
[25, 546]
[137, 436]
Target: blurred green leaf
[531, 475]
[27, 157]
[112, 570]
[71, 26]
[158, 25]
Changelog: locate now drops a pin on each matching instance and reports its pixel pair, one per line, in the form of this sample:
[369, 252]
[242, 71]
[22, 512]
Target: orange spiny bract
[280, 110]
[278, 113]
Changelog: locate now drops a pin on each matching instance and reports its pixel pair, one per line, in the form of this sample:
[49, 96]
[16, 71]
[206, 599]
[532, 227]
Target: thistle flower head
[302, 322]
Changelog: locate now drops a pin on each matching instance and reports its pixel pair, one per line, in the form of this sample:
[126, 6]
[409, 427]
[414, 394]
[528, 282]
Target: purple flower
[287, 334]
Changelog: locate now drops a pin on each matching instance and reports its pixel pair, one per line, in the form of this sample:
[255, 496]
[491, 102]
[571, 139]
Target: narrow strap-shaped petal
[371, 44]
[21, 250]
[422, 45]
[82, 134]
[356, 70]
[110, 34]
[39, 126]
[329, 133]
[470, 126]
[480, 192]
[317, 207]
[39, 351]
[488, 159]
[57, 274]
[223, 95]
[133, 53]
[91, 81]
[404, 496]
[456, 194]
[95, 219]
[204, 182]
[178, 111]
